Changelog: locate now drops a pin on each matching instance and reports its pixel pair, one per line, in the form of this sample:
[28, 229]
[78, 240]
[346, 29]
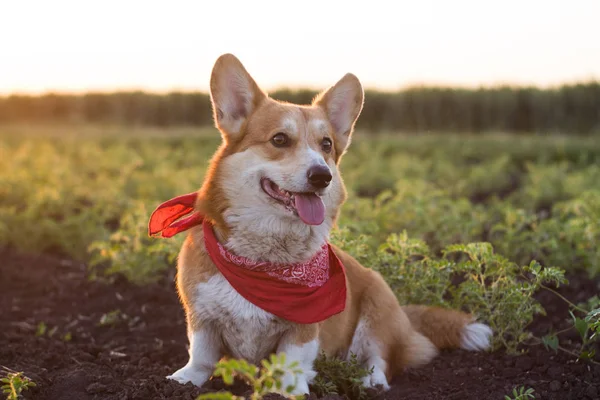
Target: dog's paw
[189, 374]
[301, 382]
[476, 337]
[376, 380]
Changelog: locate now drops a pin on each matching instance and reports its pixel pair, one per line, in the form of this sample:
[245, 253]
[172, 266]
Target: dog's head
[278, 161]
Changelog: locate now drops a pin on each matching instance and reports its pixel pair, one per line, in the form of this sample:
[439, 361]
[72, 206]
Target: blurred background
[481, 120]
[461, 66]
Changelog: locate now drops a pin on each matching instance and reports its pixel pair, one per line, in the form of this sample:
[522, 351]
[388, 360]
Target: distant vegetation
[497, 211]
[571, 109]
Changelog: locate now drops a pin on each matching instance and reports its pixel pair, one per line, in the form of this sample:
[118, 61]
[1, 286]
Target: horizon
[427, 85]
[67, 47]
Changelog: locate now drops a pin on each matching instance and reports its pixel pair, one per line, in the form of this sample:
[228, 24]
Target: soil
[130, 353]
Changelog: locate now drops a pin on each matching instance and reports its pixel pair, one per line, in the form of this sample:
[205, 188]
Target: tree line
[565, 109]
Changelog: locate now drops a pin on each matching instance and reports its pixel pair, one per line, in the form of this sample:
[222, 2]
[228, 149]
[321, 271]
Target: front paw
[301, 388]
[301, 384]
[190, 374]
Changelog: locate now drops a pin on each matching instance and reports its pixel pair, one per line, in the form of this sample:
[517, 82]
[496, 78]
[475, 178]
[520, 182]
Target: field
[501, 225]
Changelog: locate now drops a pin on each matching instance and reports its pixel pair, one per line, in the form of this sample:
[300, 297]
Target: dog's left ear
[342, 103]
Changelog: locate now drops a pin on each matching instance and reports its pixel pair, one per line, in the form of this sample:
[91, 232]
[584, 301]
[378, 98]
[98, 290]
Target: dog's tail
[440, 328]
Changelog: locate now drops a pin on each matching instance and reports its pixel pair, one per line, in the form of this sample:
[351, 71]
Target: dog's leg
[204, 353]
[301, 345]
[368, 351]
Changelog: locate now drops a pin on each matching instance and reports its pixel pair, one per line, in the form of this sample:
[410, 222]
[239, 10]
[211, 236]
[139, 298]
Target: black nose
[319, 176]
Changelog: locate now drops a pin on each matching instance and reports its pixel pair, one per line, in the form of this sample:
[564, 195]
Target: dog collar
[305, 293]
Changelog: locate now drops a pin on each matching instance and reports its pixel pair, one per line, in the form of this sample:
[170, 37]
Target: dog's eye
[326, 145]
[280, 140]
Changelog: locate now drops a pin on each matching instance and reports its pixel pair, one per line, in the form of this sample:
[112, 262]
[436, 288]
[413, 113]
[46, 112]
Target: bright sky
[107, 45]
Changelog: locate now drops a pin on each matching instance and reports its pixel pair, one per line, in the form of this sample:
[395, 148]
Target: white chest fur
[246, 331]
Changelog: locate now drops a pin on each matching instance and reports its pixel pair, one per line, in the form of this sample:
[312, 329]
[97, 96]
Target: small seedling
[267, 379]
[41, 329]
[14, 384]
[111, 318]
[521, 393]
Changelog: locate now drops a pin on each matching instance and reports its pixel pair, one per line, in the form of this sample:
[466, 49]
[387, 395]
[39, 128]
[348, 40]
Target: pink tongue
[310, 208]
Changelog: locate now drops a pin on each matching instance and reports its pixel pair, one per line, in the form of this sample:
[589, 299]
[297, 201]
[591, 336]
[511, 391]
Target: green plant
[129, 251]
[14, 383]
[496, 290]
[267, 379]
[341, 377]
[41, 329]
[593, 321]
[111, 318]
[521, 393]
[586, 321]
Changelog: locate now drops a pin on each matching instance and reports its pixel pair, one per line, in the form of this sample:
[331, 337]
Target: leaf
[41, 329]
[216, 396]
[550, 342]
[580, 325]
[587, 354]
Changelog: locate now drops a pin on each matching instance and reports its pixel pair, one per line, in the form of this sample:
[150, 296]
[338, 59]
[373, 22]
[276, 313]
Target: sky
[76, 46]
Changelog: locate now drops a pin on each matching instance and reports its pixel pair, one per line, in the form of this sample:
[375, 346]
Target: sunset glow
[78, 46]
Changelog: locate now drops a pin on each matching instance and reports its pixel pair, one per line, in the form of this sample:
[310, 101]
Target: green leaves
[593, 321]
[268, 379]
[550, 342]
[89, 196]
[446, 221]
[14, 384]
[588, 328]
[521, 393]
[581, 325]
[496, 290]
[340, 377]
[129, 250]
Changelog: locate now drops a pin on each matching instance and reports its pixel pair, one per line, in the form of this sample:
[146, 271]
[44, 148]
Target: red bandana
[305, 293]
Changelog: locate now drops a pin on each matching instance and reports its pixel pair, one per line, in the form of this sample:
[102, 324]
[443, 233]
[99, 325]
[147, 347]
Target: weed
[267, 379]
[111, 318]
[14, 383]
[586, 321]
[496, 290]
[521, 393]
[344, 378]
[41, 329]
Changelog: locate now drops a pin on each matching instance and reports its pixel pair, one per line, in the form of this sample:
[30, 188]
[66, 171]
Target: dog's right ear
[234, 96]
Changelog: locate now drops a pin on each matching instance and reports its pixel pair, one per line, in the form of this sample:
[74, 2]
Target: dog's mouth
[307, 205]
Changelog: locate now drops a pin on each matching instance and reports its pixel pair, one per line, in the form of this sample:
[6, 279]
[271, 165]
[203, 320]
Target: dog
[256, 274]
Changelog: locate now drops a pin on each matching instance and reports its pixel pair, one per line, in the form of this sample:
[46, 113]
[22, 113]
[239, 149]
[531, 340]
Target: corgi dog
[256, 275]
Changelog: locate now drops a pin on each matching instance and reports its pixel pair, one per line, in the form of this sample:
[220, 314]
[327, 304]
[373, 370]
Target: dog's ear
[342, 103]
[234, 95]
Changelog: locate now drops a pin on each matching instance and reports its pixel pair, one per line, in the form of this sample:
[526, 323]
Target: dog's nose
[319, 176]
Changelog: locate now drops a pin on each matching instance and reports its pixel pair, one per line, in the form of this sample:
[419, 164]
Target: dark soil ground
[128, 356]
